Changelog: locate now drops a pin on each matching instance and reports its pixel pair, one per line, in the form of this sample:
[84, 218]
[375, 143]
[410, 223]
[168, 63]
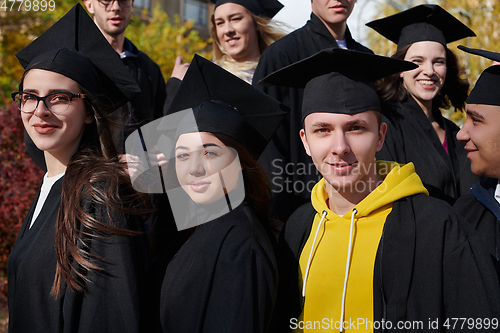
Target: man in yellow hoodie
[370, 247]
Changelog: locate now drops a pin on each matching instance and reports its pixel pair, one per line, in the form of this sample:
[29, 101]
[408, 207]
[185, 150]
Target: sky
[296, 13]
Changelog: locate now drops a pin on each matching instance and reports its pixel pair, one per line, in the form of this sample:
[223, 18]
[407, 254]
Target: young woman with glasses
[78, 263]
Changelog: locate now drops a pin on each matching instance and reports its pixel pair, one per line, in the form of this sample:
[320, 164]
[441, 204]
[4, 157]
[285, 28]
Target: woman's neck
[55, 165]
[252, 56]
[426, 107]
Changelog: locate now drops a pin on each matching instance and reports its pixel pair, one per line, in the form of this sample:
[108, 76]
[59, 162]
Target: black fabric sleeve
[470, 268]
[244, 285]
[172, 86]
[112, 301]
[292, 239]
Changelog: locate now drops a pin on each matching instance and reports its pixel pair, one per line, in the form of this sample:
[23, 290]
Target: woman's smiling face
[425, 82]
[56, 134]
[205, 167]
[237, 32]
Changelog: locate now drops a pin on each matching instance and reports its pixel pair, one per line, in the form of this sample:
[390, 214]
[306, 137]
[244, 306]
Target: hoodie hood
[399, 181]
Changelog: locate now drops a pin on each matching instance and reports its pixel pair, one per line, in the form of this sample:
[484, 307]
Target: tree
[481, 16]
[163, 40]
[18, 28]
[156, 36]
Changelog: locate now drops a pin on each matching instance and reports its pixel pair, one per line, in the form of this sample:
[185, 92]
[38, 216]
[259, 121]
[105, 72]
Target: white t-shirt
[342, 44]
[44, 192]
[497, 192]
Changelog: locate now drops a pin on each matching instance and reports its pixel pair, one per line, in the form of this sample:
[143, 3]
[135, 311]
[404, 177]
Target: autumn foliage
[163, 39]
[20, 178]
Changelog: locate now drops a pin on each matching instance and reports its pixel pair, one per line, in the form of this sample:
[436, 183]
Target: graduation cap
[263, 8]
[76, 48]
[338, 80]
[421, 23]
[223, 103]
[486, 88]
[209, 99]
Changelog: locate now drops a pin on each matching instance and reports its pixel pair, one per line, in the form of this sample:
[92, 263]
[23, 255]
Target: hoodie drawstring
[347, 264]
[323, 215]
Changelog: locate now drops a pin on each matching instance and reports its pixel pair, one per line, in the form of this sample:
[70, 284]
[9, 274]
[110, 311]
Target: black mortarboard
[486, 88]
[337, 80]
[76, 48]
[223, 103]
[263, 8]
[421, 23]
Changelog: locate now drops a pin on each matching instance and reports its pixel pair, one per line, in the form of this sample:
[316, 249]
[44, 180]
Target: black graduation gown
[418, 237]
[148, 104]
[479, 290]
[413, 139]
[111, 303]
[220, 276]
[290, 170]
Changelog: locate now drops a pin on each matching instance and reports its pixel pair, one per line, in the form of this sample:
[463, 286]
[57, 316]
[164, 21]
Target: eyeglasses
[122, 3]
[57, 102]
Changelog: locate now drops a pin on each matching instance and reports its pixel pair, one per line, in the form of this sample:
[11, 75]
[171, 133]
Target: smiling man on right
[481, 206]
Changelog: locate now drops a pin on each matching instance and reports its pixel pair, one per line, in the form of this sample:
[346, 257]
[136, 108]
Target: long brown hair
[257, 187]
[94, 175]
[454, 91]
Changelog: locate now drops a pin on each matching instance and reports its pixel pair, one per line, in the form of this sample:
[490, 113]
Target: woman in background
[424, 136]
[78, 264]
[241, 31]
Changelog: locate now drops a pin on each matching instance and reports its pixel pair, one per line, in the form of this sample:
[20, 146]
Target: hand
[180, 69]
[156, 157]
[134, 165]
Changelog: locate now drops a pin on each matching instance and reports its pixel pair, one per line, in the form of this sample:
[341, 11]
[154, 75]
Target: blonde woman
[241, 31]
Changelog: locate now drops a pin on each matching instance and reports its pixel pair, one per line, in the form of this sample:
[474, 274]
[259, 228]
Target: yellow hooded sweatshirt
[327, 274]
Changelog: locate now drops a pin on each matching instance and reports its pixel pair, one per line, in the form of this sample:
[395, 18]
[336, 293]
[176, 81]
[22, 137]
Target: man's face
[481, 134]
[113, 19]
[343, 146]
[333, 11]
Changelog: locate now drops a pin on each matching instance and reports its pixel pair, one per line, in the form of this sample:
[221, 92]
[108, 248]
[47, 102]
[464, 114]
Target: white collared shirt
[44, 192]
[342, 44]
[497, 192]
